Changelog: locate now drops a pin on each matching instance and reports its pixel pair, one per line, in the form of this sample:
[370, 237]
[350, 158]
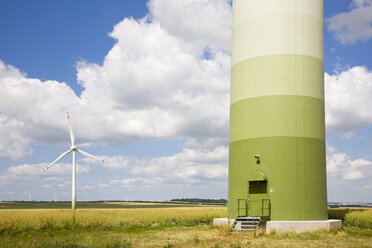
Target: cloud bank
[348, 179]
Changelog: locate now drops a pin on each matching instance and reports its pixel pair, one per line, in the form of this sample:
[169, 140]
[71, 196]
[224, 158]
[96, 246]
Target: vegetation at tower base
[277, 120]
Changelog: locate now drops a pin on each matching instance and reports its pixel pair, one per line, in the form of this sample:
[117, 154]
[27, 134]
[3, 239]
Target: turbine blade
[59, 158]
[90, 155]
[72, 136]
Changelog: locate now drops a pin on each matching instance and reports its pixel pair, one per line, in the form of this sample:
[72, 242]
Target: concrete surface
[220, 222]
[302, 226]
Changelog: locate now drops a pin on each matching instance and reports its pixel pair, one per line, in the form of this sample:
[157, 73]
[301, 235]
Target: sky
[147, 87]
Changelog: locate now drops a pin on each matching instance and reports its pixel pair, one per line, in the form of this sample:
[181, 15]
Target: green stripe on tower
[295, 169]
[277, 106]
[289, 75]
[269, 116]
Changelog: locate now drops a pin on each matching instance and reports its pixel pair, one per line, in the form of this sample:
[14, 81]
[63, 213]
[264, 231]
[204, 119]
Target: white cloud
[28, 110]
[348, 179]
[348, 100]
[355, 25]
[341, 166]
[64, 185]
[56, 179]
[353, 175]
[203, 22]
[186, 168]
[330, 149]
[13, 145]
[32, 172]
[31, 178]
[86, 187]
[37, 169]
[102, 185]
[138, 182]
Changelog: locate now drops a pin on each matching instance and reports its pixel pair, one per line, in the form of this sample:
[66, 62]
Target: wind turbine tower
[72, 150]
[277, 158]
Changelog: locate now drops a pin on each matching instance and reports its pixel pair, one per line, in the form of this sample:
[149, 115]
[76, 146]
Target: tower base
[302, 226]
[290, 226]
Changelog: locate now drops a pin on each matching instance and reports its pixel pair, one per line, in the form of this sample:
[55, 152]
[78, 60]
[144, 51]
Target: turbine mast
[73, 180]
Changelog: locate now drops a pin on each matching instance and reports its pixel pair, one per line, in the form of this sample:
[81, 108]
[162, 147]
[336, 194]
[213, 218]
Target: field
[92, 205]
[158, 225]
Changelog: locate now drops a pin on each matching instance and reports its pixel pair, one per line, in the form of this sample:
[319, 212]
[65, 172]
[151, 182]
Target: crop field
[161, 226]
[91, 205]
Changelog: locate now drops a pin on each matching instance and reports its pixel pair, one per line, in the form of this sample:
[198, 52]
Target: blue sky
[148, 89]
[60, 33]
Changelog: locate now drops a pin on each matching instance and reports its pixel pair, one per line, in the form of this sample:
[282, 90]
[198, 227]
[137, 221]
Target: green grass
[163, 227]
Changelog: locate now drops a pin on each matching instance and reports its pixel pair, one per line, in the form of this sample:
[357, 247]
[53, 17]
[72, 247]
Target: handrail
[235, 210]
[260, 210]
[229, 212]
[254, 213]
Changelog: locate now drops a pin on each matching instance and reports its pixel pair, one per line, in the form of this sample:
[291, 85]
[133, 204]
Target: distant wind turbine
[29, 196]
[73, 149]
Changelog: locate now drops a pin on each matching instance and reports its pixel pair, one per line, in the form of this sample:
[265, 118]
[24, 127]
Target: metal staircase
[247, 221]
[245, 225]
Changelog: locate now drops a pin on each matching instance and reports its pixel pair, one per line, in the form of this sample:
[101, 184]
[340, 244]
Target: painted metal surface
[277, 106]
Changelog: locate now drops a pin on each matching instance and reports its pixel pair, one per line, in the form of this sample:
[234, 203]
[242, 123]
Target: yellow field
[161, 227]
[18, 221]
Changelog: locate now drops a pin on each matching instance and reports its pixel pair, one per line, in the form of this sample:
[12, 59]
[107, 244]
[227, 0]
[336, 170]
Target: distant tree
[202, 201]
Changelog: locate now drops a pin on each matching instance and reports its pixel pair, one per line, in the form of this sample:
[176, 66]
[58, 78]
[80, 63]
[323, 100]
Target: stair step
[243, 229]
[246, 232]
[245, 225]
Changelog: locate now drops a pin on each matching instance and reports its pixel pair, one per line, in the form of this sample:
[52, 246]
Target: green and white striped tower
[277, 110]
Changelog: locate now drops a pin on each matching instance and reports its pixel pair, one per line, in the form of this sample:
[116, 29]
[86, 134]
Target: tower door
[257, 190]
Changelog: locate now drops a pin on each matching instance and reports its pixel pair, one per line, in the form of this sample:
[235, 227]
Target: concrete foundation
[291, 226]
[302, 226]
[220, 222]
